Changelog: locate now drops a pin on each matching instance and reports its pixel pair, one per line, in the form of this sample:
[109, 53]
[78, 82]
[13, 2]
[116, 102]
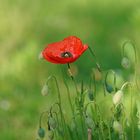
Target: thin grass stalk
[72, 77]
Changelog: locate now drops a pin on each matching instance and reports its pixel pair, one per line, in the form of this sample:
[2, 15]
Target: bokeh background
[26, 26]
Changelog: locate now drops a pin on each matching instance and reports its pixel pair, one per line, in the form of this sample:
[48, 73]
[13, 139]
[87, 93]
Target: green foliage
[26, 26]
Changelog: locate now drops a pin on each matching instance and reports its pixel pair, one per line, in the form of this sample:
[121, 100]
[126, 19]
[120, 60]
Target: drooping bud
[41, 132]
[109, 88]
[51, 135]
[126, 63]
[117, 98]
[52, 123]
[117, 127]
[89, 122]
[90, 95]
[45, 90]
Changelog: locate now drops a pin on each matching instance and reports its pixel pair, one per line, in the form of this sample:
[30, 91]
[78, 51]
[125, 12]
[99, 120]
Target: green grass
[27, 26]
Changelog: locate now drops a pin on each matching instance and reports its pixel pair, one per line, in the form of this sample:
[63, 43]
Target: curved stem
[134, 48]
[135, 79]
[126, 84]
[97, 64]
[86, 106]
[53, 106]
[40, 119]
[59, 98]
[132, 120]
[68, 91]
[131, 108]
[69, 97]
[135, 57]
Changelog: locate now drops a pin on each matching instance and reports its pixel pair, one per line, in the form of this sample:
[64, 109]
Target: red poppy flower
[65, 51]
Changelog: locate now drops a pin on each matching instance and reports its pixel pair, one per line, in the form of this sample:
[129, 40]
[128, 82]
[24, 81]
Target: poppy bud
[45, 90]
[117, 97]
[41, 132]
[50, 135]
[125, 63]
[117, 127]
[109, 88]
[52, 123]
[89, 122]
[90, 95]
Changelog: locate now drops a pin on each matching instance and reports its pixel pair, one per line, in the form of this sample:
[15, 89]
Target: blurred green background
[26, 26]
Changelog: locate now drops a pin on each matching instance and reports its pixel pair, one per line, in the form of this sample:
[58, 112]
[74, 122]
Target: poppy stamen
[66, 54]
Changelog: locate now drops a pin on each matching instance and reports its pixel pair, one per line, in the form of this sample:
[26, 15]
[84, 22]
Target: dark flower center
[66, 54]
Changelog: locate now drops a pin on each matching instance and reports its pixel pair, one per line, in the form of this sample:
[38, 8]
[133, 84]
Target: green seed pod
[45, 90]
[52, 123]
[90, 95]
[89, 122]
[41, 132]
[109, 88]
[125, 63]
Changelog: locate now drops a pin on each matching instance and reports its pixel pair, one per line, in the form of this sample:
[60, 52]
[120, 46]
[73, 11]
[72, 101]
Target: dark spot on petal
[66, 54]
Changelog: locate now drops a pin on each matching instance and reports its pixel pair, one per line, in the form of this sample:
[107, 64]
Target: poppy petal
[65, 51]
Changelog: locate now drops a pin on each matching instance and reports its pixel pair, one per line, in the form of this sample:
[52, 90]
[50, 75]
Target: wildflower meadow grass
[96, 96]
[104, 108]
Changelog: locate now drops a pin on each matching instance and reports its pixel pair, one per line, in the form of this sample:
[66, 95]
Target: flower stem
[97, 64]
[72, 77]
[135, 58]
[90, 85]
[134, 48]
[69, 97]
[132, 121]
[40, 119]
[70, 102]
[131, 108]
[89, 134]
[59, 98]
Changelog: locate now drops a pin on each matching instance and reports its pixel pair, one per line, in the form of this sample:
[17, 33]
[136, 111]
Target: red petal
[53, 52]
